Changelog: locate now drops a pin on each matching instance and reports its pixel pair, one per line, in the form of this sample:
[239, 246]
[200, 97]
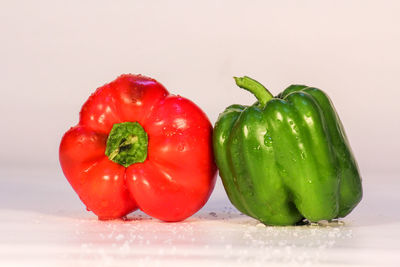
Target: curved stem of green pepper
[261, 93]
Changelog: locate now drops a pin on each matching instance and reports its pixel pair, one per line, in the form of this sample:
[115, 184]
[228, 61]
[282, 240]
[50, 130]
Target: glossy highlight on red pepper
[138, 147]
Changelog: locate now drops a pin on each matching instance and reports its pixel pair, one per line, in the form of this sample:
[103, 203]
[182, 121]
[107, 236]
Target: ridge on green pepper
[286, 158]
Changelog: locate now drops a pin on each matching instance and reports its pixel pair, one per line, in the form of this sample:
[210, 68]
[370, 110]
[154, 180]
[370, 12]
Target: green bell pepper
[286, 158]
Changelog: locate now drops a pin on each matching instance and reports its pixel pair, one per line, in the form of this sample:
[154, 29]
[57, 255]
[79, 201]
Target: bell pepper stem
[127, 144]
[129, 141]
[257, 89]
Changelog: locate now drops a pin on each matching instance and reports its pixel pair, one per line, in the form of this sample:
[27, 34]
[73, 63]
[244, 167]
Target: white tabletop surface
[43, 223]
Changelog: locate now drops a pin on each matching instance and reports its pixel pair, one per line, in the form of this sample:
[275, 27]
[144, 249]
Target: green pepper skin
[286, 158]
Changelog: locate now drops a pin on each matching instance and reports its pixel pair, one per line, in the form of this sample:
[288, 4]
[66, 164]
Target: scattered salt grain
[119, 237]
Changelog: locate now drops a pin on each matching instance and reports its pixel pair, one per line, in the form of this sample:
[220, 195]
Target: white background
[54, 54]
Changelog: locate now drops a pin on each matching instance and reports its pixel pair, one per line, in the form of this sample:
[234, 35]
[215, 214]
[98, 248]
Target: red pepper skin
[179, 173]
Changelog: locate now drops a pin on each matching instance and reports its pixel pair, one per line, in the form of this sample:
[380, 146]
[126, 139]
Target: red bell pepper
[137, 146]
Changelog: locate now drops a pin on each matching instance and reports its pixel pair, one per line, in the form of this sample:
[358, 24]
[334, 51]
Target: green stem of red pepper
[127, 143]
